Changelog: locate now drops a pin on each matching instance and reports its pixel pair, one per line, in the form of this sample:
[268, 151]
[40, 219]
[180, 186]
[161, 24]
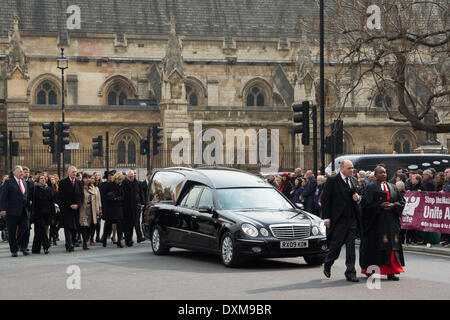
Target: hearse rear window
[166, 187]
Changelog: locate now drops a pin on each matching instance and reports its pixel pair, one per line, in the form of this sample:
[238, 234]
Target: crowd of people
[307, 189]
[77, 203]
[80, 202]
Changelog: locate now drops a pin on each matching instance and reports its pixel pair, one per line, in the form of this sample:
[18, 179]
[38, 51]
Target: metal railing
[38, 158]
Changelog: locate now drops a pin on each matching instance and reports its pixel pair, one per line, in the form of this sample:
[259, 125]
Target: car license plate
[294, 244]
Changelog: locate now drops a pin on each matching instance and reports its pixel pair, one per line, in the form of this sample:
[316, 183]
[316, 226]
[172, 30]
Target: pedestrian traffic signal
[49, 135]
[3, 143]
[97, 147]
[15, 148]
[157, 135]
[63, 135]
[144, 146]
[302, 118]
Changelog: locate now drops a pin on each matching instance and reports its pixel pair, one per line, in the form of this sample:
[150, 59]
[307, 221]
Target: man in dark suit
[14, 205]
[70, 196]
[340, 212]
[131, 209]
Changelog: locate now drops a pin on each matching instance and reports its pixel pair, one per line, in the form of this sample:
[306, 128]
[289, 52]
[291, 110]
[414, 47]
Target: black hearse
[409, 161]
[231, 213]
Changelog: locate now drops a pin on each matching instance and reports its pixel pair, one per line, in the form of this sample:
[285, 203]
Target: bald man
[340, 212]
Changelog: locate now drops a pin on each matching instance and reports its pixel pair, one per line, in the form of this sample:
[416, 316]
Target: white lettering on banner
[435, 213]
[447, 213]
[429, 200]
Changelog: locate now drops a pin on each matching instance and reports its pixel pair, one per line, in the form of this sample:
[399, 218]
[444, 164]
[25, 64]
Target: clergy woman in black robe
[382, 206]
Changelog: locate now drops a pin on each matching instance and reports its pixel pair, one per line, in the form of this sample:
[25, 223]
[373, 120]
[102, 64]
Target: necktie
[73, 183]
[346, 180]
[21, 187]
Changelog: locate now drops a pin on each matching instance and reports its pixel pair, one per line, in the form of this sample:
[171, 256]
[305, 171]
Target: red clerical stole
[385, 188]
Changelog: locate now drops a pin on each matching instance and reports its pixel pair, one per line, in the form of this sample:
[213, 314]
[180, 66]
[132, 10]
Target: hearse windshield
[251, 199]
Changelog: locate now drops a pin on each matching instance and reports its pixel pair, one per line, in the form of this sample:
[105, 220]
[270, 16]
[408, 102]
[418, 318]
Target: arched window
[255, 97]
[47, 93]
[117, 95]
[191, 96]
[402, 144]
[126, 150]
[381, 98]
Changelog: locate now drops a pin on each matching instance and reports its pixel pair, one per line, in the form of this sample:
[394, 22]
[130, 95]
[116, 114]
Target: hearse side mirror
[300, 205]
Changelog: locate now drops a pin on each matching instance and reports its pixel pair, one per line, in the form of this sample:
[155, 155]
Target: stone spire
[305, 63]
[173, 59]
[16, 59]
[173, 67]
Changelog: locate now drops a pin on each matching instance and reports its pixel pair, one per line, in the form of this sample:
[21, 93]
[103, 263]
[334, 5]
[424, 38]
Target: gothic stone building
[230, 64]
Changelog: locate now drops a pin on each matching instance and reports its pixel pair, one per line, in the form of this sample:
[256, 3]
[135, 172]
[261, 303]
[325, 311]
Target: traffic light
[3, 143]
[49, 135]
[97, 147]
[144, 146]
[302, 118]
[63, 135]
[156, 135]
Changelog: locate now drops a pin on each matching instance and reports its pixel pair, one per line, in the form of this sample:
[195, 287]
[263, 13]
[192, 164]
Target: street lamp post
[63, 63]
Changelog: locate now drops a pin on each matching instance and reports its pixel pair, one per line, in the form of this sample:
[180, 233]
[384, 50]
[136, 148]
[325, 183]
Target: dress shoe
[393, 277]
[129, 244]
[119, 244]
[14, 254]
[327, 272]
[36, 252]
[97, 239]
[46, 251]
[71, 249]
[141, 240]
[352, 278]
[92, 243]
[25, 252]
[85, 247]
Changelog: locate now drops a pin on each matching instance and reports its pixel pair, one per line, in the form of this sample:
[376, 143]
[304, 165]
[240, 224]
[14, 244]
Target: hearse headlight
[264, 232]
[249, 230]
[315, 230]
[322, 228]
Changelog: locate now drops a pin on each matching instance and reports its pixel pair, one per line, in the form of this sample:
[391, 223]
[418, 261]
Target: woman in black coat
[113, 198]
[43, 210]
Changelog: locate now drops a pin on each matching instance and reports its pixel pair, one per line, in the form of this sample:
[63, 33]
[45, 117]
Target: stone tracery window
[126, 150]
[382, 99]
[255, 97]
[117, 95]
[191, 96]
[47, 93]
[402, 144]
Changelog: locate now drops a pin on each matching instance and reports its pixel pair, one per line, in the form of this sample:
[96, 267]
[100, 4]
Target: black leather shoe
[393, 277]
[119, 244]
[327, 272]
[141, 240]
[46, 251]
[352, 278]
[14, 254]
[25, 253]
[71, 249]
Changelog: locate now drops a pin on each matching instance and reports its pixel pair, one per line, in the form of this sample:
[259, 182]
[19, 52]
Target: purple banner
[427, 212]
